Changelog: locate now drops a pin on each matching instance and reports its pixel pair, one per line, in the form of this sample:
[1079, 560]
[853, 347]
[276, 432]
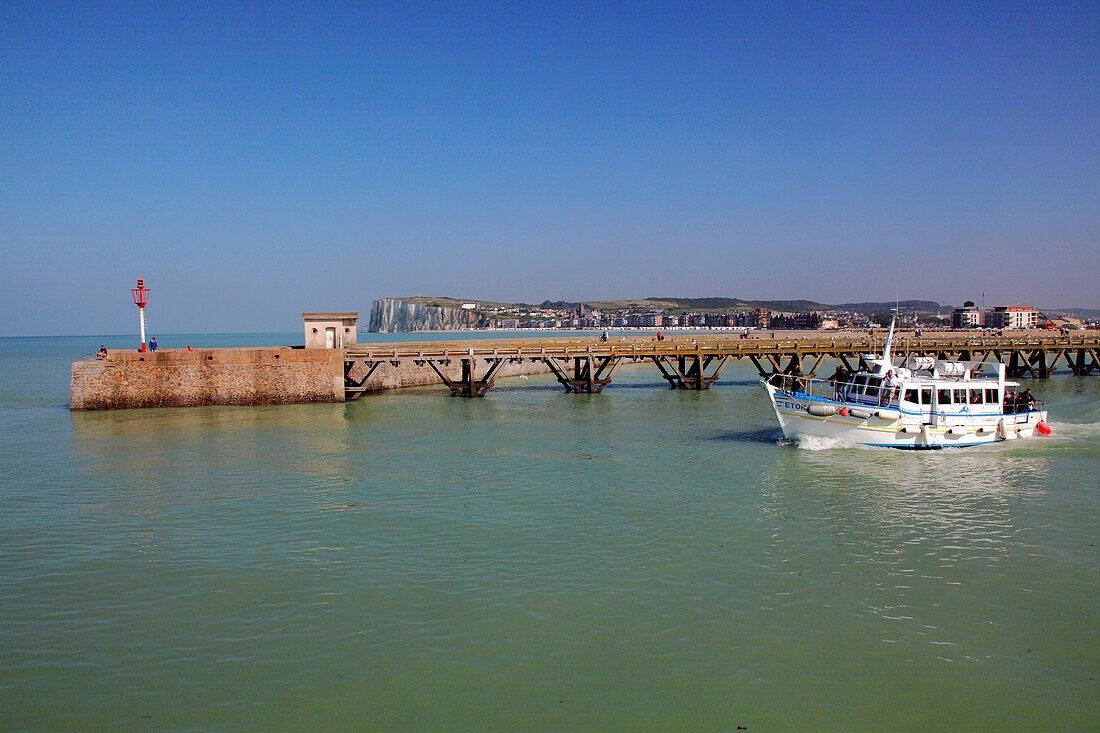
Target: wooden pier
[695, 361]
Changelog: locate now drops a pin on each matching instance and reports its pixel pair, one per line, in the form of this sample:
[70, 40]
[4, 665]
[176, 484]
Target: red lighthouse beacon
[140, 295]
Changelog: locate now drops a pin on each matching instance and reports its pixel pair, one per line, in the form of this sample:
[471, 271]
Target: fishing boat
[927, 403]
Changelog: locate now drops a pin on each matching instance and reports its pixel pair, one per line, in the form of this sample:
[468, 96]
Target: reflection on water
[949, 493]
[911, 537]
[148, 470]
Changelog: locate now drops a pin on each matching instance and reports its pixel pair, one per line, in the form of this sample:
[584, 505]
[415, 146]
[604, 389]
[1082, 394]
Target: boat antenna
[889, 337]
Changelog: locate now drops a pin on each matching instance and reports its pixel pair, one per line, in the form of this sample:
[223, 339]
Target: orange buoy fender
[1042, 428]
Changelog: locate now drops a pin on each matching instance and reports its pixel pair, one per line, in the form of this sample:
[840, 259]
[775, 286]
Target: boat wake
[1063, 433]
[820, 442]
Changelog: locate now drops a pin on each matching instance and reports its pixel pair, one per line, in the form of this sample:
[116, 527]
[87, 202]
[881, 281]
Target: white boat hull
[866, 425]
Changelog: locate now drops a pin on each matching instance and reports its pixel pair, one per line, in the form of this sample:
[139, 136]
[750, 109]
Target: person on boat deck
[840, 378]
[795, 375]
[890, 386]
[1026, 400]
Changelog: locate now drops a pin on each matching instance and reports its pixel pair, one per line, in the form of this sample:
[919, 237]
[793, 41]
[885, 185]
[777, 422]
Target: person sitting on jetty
[102, 353]
[153, 344]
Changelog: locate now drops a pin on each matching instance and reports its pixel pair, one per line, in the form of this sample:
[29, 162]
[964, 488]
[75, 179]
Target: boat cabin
[952, 389]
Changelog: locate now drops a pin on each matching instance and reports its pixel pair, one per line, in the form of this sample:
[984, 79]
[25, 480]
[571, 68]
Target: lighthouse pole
[141, 293]
[141, 321]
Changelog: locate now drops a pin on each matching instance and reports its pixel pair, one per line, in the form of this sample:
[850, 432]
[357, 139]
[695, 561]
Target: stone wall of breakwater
[245, 376]
[177, 378]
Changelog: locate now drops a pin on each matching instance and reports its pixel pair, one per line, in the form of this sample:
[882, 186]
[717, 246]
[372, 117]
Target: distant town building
[690, 320]
[1011, 316]
[716, 320]
[809, 321]
[781, 320]
[966, 317]
[757, 318]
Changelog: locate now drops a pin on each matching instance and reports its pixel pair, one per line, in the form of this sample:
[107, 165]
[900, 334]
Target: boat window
[872, 386]
[860, 380]
[926, 395]
[960, 397]
[975, 396]
[943, 396]
[912, 395]
[991, 396]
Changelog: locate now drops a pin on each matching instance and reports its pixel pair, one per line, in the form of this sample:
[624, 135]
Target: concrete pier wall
[252, 376]
[176, 378]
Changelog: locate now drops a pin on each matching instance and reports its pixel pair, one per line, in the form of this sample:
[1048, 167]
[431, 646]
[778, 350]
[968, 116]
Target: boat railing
[830, 389]
[802, 386]
[1016, 403]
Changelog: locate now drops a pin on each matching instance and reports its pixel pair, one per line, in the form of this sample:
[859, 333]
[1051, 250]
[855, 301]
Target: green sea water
[641, 559]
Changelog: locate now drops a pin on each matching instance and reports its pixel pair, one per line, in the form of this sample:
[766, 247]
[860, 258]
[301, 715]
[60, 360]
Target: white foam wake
[820, 442]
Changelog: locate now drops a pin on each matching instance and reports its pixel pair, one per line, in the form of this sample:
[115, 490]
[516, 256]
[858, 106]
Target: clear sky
[254, 161]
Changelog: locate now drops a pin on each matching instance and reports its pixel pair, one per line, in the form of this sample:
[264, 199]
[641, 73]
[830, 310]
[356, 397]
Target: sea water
[641, 559]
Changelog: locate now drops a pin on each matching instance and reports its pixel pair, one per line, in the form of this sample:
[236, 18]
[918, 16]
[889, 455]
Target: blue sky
[255, 161]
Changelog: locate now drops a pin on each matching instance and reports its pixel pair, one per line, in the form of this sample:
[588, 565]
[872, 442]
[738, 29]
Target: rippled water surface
[642, 559]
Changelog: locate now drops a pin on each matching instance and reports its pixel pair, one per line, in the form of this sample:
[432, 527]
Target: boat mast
[889, 339]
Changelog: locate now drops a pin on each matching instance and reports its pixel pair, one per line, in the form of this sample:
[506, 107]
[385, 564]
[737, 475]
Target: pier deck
[695, 361]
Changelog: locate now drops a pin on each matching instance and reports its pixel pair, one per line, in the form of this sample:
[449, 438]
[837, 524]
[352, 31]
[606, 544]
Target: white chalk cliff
[390, 315]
